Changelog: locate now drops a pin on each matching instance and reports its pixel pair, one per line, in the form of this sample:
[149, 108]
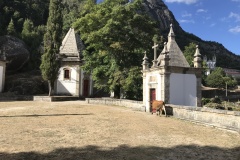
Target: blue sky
[211, 20]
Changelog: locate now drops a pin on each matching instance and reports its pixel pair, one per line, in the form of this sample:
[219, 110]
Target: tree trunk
[50, 87]
[117, 92]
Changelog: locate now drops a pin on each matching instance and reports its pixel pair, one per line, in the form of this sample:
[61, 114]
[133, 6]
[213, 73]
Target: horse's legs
[165, 110]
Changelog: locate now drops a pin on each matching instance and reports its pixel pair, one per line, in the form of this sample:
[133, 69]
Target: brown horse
[159, 106]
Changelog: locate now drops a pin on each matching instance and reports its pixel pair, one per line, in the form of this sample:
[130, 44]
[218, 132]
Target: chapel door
[86, 88]
[152, 97]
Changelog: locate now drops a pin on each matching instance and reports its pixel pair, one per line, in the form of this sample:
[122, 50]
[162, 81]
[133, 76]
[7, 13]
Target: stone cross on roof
[155, 54]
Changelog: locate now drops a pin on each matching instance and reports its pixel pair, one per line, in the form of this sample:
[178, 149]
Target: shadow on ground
[45, 115]
[125, 152]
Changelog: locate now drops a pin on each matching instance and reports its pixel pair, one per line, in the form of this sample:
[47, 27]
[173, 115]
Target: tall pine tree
[52, 41]
[11, 28]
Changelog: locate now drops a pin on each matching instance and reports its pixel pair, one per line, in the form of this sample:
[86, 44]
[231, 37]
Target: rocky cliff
[16, 52]
[160, 12]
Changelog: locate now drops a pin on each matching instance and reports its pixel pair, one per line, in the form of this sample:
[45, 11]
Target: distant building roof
[72, 45]
[204, 88]
[175, 54]
[232, 72]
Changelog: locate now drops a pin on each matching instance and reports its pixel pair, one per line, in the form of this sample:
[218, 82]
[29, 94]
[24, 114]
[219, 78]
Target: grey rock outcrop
[16, 52]
[160, 12]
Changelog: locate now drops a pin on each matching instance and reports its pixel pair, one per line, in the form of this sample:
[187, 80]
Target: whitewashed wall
[152, 84]
[183, 90]
[68, 86]
[1, 78]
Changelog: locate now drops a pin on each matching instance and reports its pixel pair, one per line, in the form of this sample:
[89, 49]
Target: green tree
[116, 34]
[32, 37]
[72, 9]
[215, 79]
[189, 52]
[11, 28]
[219, 79]
[52, 41]
[230, 81]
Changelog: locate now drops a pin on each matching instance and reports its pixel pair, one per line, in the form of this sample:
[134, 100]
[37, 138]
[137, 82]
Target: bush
[215, 100]
[205, 101]
[214, 105]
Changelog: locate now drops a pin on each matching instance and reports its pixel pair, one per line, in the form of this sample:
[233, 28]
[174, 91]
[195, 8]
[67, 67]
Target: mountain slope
[160, 12]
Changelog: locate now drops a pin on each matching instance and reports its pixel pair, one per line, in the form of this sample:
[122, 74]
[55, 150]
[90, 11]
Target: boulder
[16, 52]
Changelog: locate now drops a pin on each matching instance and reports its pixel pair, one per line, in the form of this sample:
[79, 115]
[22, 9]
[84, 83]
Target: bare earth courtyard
[76, 130]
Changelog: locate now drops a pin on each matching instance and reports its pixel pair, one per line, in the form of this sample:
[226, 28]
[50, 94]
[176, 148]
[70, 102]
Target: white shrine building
[2, 70]
[170, 78]
[211, 64]
[72, 80]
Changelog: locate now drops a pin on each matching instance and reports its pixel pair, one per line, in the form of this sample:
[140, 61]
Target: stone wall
[56, 98]
[4, 98]
[136, 105]
[218, 118]
[225, 119]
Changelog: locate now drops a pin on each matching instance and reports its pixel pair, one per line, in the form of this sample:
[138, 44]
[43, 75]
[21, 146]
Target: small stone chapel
[2, 70]
[72, 80]
[170, 78]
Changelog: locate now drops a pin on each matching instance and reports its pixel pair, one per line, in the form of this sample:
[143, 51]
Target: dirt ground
[79, 131]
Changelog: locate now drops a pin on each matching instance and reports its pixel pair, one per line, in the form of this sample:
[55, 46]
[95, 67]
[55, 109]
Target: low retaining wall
[136, 105]
[218, 118]
[55, 98]
[16, 98]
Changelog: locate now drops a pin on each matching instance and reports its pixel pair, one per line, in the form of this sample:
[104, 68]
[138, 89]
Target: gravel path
[75, 130]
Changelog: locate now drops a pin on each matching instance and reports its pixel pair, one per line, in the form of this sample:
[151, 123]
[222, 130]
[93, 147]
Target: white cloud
[213, 24]
[208, 17]
[236, 0]
[201, 10]
[224, 19]
[234, 15]
[186, 21]
[186, 14]
[235, 29]
[182, 1]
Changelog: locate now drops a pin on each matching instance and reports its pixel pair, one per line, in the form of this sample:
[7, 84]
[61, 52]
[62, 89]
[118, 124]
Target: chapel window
[67, 75]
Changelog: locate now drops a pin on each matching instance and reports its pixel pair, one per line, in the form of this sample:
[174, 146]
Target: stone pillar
[165, 93]
[78, 72]
[144, 90]
[199, 88]
[165, 86]
[145, 64]
[145, 67]
[165, 59]
[197, 62]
